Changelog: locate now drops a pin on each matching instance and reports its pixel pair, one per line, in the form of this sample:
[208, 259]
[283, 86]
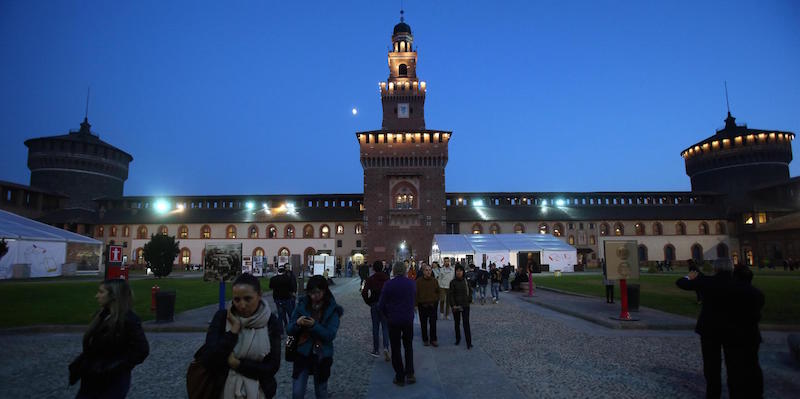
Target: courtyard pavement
[523, 349]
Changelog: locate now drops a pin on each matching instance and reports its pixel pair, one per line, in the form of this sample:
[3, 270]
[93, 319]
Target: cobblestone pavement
[543, 353]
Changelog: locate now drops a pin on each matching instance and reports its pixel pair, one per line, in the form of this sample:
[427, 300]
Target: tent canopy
[13, 226]
[494, 243]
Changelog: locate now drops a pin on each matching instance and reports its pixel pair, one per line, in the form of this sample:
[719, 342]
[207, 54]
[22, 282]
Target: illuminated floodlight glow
[544, 202]
[560, 202]
[354, 111]
[403, 245]
[161, 206]
[477, 203]
[180, 207]
[250, 205]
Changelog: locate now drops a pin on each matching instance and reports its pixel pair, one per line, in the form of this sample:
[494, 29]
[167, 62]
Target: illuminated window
[680, 229]
[405, 196]
[558, 230]
[140, 255]
[748, 218]
[339, 229]
[619, 229]
[230, 232]
[325, 231]
[359, 229]
[720, 228]
[657, 229]
[288, 232]
[258, 251]
[186, 256]
[101, 231]
[703, 229]
[603, 229]
[163, 230]
[126, 231]
[284, 251]
[477, 228]
[592, 240]
[543, 228]
[308, 231]
[762, 217]
[494, 229]
[640, 230]
[183, 232]
[252, 232]
[141, 233]
[571, 240]
[519, 228]
[272, 231]
[205, 232]
[113, 231]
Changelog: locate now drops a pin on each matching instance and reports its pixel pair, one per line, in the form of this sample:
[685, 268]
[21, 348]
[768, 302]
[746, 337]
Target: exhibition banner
[223, 262]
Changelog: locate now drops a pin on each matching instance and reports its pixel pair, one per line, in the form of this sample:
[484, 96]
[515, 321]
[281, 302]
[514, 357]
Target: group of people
[242, 349]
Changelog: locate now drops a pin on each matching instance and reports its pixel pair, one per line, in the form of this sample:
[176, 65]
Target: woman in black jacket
[459, 298]
[112, 346]
[243, 344]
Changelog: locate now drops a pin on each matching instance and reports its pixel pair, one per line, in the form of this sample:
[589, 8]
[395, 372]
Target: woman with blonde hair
[113, 345]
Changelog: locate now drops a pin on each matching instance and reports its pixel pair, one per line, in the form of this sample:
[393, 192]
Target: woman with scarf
[243, 344]
[459, 298]
[113, 345]
[316, 321]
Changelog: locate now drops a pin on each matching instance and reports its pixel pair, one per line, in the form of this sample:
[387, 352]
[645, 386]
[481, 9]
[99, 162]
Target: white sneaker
[386, 355]
[375, 354]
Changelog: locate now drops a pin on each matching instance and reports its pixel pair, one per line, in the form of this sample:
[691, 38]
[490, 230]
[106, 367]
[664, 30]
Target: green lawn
[72, 301]
[658, 291]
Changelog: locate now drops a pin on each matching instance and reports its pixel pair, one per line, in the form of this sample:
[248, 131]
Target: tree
[160, 252]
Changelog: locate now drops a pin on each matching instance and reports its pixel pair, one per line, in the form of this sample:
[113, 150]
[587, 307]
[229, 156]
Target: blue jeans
[496, 290]
[378, 321]
[285, 308]
[505, 284]
[474, 293]
[482, 289]
[300, 383]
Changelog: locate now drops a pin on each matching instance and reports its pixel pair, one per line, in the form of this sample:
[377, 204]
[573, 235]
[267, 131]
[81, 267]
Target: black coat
[716, 317]
[107, 356]
[220, 343]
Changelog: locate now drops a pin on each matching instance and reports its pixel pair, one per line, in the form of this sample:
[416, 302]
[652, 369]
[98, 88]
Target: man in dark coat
[371, 294]
[397, 303]
[284, 289]
[363, 272]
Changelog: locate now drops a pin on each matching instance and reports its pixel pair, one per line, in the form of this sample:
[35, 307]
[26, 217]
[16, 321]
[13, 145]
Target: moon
[355, 111]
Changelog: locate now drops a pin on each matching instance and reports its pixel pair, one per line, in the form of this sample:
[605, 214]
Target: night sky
[256, 97]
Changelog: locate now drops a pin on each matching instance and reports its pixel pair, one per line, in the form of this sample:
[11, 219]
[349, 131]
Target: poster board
[247, 264]
[223, 262]
[622, 260]
[258, 265]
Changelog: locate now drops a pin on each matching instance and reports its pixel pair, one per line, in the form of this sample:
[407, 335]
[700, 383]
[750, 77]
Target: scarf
[253, 344]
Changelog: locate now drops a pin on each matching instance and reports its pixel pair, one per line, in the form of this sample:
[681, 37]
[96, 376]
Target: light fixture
[161, 206]
[560, 202]
[250, 205]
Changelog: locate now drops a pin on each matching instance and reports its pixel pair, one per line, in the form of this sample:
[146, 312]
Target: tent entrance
[530, 260]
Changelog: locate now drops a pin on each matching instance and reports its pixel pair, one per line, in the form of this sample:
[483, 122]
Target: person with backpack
[459, 298]
[371, 294]
[284, 289]
[482, 280]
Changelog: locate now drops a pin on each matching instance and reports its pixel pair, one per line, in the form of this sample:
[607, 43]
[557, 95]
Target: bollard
[153, 292]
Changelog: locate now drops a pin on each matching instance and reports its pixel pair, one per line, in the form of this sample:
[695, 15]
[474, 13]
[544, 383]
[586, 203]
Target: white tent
[39, 250]
[503, 248]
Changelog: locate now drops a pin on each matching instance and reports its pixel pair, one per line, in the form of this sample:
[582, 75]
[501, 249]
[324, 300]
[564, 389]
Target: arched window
[592, 240]
[477, 228]
[183, 232]
[722, 250]
[680, 229]
[402, 70]
[230, 231]
[205, 232]
[140, 255]
[720, 228]
[619, 229]
[543, 229]
[571, 239]
[288, 231]
[639, 228]
[359, 229]
[657, 229]
[258, 251]
[558, 230]
[494, 228]
[163, 230]
[141, 232]
[307, 254]
[697, 252]
[186, 256]
[405, 196]
[252, 232]
[113, 231]
[101, 231]
[272, 231]
[669, 252]
[325, 231]
[603, 229]
[339, 229]
[284, 252]
[126, 231]
[308, 231]
[642, 253]
[703, 229]
[519, 228]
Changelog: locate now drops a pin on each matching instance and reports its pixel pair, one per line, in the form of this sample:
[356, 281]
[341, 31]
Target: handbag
[200, 383]
[291, 348]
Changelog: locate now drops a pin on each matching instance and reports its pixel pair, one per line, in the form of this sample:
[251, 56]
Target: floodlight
[560, 202]
[161, 206]
[250, 205]
[477, 203]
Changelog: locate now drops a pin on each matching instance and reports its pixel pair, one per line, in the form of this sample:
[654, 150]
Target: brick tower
[404, 163]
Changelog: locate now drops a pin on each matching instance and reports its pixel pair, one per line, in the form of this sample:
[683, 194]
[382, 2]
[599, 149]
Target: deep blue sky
[255, 97]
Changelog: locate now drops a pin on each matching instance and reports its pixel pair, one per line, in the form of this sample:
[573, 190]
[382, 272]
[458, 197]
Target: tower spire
[727, 103]
[86, 128]
[401, 11]
[88, 93]
[730, 121]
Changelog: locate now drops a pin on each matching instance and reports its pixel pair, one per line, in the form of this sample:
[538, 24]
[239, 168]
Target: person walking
[472, 278]
[609, 284]
[397, 303]
[284, 289]
[505, 275]
[316, 322]
[363, 273]
[444, 277]
[426, 300]
[113, 345]
[495, 276]
[460, 299]
[242, 350]
[483, 281]
[371, 294]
